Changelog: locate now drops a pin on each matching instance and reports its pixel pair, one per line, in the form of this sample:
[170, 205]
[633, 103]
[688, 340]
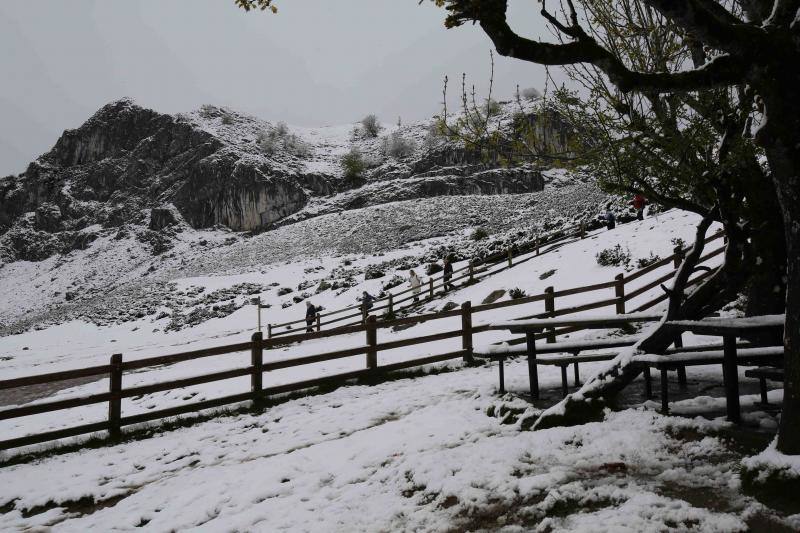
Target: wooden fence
[473, 271]
[116, 368]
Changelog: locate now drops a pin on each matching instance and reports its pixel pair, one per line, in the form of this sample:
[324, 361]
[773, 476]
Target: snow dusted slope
[77, 344]
[434, 453]
[119, 278]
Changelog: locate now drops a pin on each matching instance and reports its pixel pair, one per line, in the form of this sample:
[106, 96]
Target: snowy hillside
[78, 343]
[435, 453]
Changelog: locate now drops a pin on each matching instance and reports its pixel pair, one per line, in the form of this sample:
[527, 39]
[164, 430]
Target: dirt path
[24, 395]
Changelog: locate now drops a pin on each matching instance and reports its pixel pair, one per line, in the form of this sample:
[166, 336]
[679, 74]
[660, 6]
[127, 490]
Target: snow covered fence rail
[115, 420]
[471, 271]
[371, 348]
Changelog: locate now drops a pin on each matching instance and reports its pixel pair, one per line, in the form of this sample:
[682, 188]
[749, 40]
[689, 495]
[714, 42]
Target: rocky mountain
[215, 167]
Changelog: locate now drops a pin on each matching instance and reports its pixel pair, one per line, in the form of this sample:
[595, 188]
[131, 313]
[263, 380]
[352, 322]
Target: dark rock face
[162, 217]
[126, 159]
[128, 165]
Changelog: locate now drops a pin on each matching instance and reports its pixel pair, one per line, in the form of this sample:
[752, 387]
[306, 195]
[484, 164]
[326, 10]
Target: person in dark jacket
[448, 274]
[366, 302]
[311, 316]
[611, 221]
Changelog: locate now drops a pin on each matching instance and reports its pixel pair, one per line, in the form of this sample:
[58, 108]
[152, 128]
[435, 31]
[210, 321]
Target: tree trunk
[785, 163]
[780, 137]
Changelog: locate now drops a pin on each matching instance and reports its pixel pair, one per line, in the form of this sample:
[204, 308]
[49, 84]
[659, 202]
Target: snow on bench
[593, 322]
[694, 358]
[497, 351]
[744, 356]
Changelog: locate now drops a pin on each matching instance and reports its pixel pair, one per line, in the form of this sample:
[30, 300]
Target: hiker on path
[311, 315]
[416, 284]
[611, 221]
[448, 273]
[366, 302]
[638, 203]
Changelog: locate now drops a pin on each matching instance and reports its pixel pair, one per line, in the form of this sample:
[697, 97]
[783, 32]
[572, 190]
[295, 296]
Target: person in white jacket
[416, 284]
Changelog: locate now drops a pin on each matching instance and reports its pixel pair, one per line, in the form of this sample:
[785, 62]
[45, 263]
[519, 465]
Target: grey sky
[317, 62]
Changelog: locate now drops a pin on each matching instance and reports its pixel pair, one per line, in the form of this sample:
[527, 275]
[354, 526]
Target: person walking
[448, 274]
[366, 303]
[416, 284]
[638, 204]
[611, 221]
[311, 315]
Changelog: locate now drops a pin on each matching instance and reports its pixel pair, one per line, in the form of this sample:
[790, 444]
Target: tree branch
[491, 15]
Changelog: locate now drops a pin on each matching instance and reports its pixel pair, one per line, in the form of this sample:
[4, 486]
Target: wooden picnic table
[531, 327]
[729, 329]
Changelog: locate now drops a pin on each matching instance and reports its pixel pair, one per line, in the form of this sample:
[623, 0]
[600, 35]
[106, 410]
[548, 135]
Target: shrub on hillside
[353, 165]
[647, 261]
[433, 268]
[677, 241]
[281, 129]
[531, 93]
[371, 125]
[227, 119]
[479, 234]
[398, 146]
[269, 142]
[616, 256]
[516, 293]
[208, 111]
[493, 107]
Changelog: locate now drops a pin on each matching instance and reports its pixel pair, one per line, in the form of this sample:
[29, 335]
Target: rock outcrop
[130, 165]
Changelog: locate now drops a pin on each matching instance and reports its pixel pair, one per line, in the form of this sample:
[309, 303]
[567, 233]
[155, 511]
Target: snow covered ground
[77, 344]
[411, 455]
[429, 453]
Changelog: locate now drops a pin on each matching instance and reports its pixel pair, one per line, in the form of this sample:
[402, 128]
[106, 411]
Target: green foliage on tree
[353, 165]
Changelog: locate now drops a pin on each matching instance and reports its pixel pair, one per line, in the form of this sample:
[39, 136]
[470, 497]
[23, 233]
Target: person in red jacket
[638, 203]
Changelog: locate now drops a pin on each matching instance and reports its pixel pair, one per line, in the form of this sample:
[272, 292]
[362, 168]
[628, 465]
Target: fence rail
[256, 346]
[435, 283]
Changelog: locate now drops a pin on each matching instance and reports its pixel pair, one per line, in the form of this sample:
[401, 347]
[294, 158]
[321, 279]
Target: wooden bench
[674, 360]
[763, 374]
[730, 329]
[574, 358]
[531, 327]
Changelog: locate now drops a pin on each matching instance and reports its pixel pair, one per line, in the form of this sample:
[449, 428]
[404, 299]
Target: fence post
[115, 401]
[679, 255]
[257, 362]
[390, 310]
[583, 230]
[364, 313]
[372, 341]
[619, 289]
[471, 271]
[537, 245]
[550, 308]
[318, 322]
[258, 306]
[269, 331]
[466, 330]
[430, 287]
[510, 262]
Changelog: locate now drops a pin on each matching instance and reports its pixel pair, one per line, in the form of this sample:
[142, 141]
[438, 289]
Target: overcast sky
[317, 62]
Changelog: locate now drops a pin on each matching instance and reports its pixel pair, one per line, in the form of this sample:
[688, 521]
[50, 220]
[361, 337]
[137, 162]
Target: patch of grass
[545, 275]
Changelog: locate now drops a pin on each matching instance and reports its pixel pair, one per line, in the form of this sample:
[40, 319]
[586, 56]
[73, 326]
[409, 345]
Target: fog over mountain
[64, 60]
